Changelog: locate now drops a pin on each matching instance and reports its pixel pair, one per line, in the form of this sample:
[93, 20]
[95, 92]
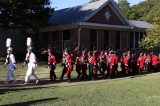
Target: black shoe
[51, 80]
[78, 78]
[55, 78]
[69, 81]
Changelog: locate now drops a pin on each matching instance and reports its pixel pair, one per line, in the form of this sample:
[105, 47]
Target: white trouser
[10, 73]
[30, 71]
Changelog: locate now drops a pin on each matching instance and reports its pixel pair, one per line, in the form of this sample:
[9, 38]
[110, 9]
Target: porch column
[79, 37]
[109, 39]
[97, 39]
[120, 40]
[51, 37]
[62, 40]
[134, 40]
[139, 39]
[49, 34]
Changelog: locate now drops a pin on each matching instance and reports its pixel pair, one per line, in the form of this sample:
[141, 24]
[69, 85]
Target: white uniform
[10, 60]
[31, 67]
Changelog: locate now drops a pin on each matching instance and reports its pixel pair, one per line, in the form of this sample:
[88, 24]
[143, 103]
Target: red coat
[77, 61]
[69, 64]
[116, 59]
[93, 60]
[154, 60]
[83, 60]
[126, 59]
[89, 59]
[107, 58]
[52, 59]
[112, 62]
[121, 58]
[141, 61]
[101, 58]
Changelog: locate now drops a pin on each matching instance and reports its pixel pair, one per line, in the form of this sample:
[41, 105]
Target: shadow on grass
[5, 90]
[138, 76]
[143, 74]
[58, 81]
[28, 103]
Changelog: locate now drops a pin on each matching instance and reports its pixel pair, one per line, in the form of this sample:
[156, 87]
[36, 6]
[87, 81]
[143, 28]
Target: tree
[152, 13]
[145, 10]
[124, 5]
[25, 14]
[152, 40]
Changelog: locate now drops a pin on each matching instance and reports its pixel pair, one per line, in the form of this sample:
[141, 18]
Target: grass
[141, 90]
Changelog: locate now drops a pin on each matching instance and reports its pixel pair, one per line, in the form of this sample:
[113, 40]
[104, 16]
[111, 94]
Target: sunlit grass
[141, 90]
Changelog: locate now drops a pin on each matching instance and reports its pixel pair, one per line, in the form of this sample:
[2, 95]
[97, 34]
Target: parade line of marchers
[104, 61]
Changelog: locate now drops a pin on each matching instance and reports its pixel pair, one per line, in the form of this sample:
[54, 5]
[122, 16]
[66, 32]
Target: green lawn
[131, 91]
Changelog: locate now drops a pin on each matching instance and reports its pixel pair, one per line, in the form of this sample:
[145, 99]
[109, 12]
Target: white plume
[29, 41]
[8, 42]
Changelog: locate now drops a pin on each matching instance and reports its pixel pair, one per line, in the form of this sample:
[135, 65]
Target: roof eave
[103, 26]
[59, 27]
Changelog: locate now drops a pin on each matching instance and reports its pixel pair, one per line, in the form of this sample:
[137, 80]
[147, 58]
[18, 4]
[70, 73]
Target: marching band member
[78, 67]
[148, 63]
[111, 64]
[83, 62]
[122, 64]
[10, 61]
[115, 63]
[108, 59]
[52, 65]
[78, 64]
[158, 62]
[129, 62]
[102, 63]
[154, 63]
[31, 61]
[69, 66]
[64, 63]
[89, 62]
[134, 64]
[93, 67]
[126, 60]
[141, 61]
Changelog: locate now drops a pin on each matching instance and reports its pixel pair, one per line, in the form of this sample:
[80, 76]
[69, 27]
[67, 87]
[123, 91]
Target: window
[93, 39]
[54, 40]
[131, 41]
[106, 39]
[137, 40]
[45, 36]
[118, 40]
[66, 39]
[66, 35]
[54, 36]
[43, 42]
